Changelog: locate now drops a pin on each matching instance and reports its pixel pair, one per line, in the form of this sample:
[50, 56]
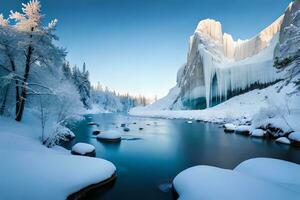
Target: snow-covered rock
[253, 179]
[110, 135]
[83, 149]
[295, 136]
[258, 133]
[230, 128]
[283, 140]
[281, 172]
[243, 129]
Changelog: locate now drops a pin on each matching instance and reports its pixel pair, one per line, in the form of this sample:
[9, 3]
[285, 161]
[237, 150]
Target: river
[147, 160]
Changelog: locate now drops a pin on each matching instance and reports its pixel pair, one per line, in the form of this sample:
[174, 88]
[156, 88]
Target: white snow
[229, 127]
[262, 107]
[283, 140]
[83, 148]
[243, 128]
[247, 181]
[189, 122]
[30, 170]
[110, 134]
[283, 173]
[169, 102]
[295, 136]
[258, 133]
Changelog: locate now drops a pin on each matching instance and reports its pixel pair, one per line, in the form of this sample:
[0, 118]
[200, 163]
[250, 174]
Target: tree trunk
[13, 67]
[4, 101]
[22, 98]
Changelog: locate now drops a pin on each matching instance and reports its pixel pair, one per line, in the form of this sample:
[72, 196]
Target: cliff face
[289, 37]
[218, 67]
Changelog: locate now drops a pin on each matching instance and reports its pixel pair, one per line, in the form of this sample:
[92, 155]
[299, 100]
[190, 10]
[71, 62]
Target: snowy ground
[258, 178]
[53, 173]
[262, 107]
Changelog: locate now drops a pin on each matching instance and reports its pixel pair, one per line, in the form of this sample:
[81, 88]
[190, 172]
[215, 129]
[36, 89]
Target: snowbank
[283, 140]
[295, 136]
[247, 181]
[53, 172]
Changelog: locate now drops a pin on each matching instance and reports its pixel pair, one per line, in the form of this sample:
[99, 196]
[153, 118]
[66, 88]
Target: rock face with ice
[219, 67]
[289, 36]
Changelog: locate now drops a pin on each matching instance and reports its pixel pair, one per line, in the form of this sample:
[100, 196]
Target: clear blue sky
[137, 46]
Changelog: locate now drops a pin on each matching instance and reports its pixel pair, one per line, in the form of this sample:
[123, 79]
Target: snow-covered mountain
[218, 67]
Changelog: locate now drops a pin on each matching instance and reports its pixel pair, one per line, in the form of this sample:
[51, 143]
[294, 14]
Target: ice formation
[218, 67]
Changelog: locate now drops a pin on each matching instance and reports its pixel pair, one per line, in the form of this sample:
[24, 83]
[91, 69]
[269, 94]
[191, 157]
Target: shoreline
[82, 193]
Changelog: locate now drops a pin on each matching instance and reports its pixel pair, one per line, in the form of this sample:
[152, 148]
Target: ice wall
[217, 65]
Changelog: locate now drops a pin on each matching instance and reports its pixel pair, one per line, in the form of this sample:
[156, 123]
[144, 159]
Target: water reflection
[147, 160]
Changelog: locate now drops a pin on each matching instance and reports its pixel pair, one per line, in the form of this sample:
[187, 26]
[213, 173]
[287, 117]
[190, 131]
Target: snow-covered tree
[113, 102]
[33, 48]
[81, 81]
[34, 74]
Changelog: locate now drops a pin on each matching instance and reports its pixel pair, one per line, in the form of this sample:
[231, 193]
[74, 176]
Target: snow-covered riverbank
[29, 170]
[261, 108]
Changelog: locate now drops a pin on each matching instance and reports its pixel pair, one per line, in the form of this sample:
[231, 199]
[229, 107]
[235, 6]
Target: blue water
[147, 160]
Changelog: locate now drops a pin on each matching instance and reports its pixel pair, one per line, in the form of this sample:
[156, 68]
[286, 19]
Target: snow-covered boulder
[83, 149]
[258, 133]
[229, 128]
[295, 138]
[243, 130]
[110, 136]
[275, 171]
[283, 140]
[206, 182]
